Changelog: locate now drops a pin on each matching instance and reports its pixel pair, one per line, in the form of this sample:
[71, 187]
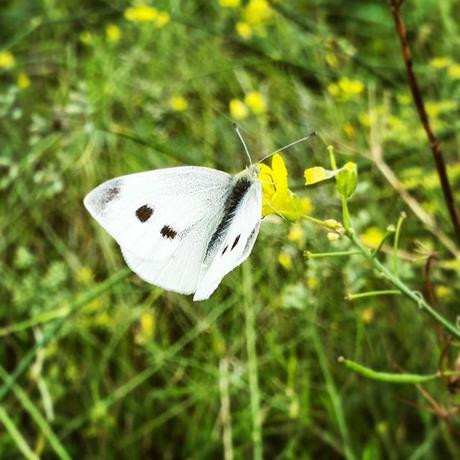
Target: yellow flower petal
[238, 109]
[7, 60]
[243, 29]
[279, 173]
[229, 3]
[317, 174]
[255, 101]
[178, 103]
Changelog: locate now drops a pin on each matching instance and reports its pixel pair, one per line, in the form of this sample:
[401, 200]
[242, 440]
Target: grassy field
[97, 364]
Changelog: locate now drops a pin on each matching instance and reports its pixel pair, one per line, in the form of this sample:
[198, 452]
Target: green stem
[399, 284]
[360, 295]
[250, 314]
[319, 255]
[396, 242]
[392, 377]
[334, 395]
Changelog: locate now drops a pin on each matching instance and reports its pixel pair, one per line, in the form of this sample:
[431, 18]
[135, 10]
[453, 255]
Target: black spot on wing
[235, 242]
[225, 250]
[144, 213]
[168, 232]
[251, 237]
[231, 204]
[110, 193]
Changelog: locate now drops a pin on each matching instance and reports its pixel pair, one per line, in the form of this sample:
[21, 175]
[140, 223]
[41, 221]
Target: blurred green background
[90, 90]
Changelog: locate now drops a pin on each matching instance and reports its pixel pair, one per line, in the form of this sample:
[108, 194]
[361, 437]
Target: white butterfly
[185, 228]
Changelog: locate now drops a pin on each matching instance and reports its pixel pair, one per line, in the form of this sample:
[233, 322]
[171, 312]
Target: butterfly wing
[163, 220]
[234, 244]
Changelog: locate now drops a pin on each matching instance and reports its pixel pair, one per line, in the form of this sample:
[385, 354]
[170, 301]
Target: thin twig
[420, 106]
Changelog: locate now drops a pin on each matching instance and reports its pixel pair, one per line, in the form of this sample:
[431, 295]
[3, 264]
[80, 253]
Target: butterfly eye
[144, 213]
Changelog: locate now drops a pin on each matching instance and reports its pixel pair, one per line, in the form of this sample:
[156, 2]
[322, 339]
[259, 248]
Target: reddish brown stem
[420, 105]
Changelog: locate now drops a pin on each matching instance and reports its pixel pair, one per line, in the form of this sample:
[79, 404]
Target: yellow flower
[296, 233]
[255, 101]
[312, 282]
[349, 130]
[442, 291]
[454, 71]
[333, 89]
[162, 19]
[257, 12]
[277, 198]
[86, 38]
[243, 29]
[440, 62]
[367, 315]
[23, 81]
[285, 260]
[84, 275]
[178, 103]
[7, 60]
[141, 13]
[238, 109]
[113, 33]
[229, 3]
[350, 87]
[372, 237]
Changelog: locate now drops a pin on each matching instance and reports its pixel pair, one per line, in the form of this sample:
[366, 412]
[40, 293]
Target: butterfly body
[182, 228]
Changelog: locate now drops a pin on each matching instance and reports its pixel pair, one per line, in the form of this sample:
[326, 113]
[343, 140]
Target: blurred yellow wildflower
[7, 60]
[436, 108]
[162, 19]
[440, 62]
[367, 315]
[86, 38]
[141, 13]
[277, 198]
[147, 327]
[442, 292]
[454, 71]
[349, 130]
[312, 282]
[84, 275]
[113, 33]
[372, 237]
[296, 233]
[238, 109]
[345, 88]
[285, 260]
[178, 103]
[351, 87]
[23, 81]
[255, 101]
[230, 3]
[243, 29]
[257, 12]
[147, 13]
[331, 60]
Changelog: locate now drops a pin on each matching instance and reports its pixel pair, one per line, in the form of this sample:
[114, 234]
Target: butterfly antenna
[237, 130]
[298, 141]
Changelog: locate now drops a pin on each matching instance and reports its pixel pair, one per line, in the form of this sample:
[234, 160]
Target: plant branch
[420, 106]
[416, 297]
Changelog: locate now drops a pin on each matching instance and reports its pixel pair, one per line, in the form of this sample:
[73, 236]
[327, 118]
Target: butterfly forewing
[235, 242]
[150, 214]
